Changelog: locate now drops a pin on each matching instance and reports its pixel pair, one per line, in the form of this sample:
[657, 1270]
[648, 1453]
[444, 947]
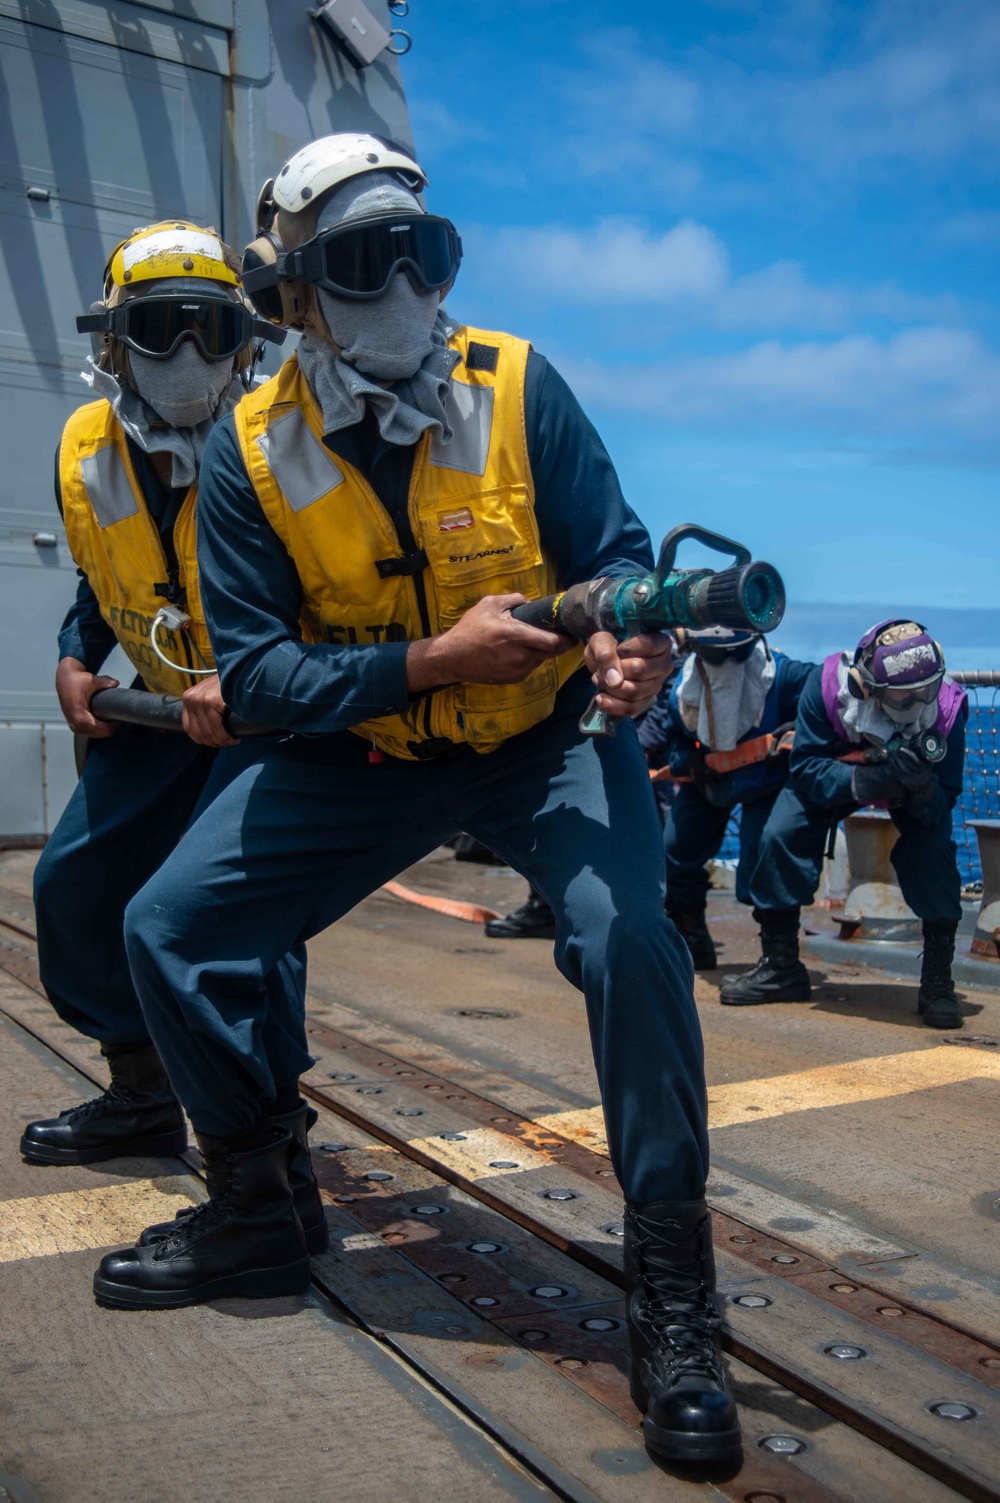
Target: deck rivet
[559, 1195]
[454, 1097]
[605, 1173]
[409, 1111]
[599, 1323]
[485, 1299]
[406, 1072]
[484, 1247]
[549, 1291]
[844, 1288]
[783, 1257]
[451, 1278]
[571, 1362]
[743, 1239]
[433, 1087]
[614, 1229]
[533, 1335]
[503, 1164]
[452, 1137]
[369, 1090]
[379, 1174]
[845, 1353]
[890, 1310]
[782, 1445]
[342, 1077]
[429, 1208]
[751, 1301]
[948, 1410]
[989, 1362]
[332, 1147]
[344, 1200]
[499, 1119]
[764, 1498]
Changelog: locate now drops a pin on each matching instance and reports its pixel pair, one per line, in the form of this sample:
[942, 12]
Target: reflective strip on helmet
[302, 467]
[469, 410]
[171, 244]
[109, 490]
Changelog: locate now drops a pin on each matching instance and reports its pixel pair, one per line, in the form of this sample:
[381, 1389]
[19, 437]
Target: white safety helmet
[287, 210]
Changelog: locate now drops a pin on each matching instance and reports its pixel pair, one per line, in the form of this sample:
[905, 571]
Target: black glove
[698, 769]
[873, 783]
[916, 775]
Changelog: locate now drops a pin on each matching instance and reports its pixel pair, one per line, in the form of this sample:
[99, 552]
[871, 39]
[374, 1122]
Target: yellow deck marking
[875, 1079]
[858, 1080]
[73, 1220]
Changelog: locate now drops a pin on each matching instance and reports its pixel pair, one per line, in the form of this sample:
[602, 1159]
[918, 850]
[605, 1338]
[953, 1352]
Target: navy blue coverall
[818, 796]
[295, 842]
[695, 826]
[138, 791]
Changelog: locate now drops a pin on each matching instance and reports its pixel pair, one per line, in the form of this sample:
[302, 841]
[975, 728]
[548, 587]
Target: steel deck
[464, 1338]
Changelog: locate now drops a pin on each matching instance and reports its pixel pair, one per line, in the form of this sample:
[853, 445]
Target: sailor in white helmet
[370, 517]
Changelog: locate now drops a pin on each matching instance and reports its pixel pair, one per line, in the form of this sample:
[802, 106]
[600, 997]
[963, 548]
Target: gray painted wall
[113, 116]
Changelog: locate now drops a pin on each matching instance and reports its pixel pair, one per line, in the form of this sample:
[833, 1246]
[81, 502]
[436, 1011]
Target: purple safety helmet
[899, 664]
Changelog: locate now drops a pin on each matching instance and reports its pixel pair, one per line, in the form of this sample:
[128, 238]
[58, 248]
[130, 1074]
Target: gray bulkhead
[113, 116]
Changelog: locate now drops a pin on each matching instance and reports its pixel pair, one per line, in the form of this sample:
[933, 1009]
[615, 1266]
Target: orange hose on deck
[472, 913]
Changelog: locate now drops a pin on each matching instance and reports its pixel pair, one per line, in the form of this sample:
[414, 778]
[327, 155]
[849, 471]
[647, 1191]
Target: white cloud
[621, 263]
[915, 82]
[617, 261]
[923, 379]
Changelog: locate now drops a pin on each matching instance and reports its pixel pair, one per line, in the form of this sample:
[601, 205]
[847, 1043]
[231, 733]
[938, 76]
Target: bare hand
[76, 687]
[487, 646]
[202, 709]
[628, 675]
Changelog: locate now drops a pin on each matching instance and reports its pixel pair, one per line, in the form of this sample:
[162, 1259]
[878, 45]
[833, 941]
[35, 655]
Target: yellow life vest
[471, 510]
[115, 542]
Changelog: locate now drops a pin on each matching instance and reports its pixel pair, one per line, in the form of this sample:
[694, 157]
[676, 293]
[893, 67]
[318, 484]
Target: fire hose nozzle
[749, 596]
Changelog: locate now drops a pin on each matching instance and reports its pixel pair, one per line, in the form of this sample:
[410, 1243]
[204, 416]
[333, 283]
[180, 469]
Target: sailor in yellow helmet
[176, 342]
[369, 519]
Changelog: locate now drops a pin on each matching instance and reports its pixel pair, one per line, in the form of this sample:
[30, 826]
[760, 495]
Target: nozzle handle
[597, 722]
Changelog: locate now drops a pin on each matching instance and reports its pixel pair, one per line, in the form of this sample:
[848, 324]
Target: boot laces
[683, 1315]
[197, 1223]
[115, 1098]
[935, 976]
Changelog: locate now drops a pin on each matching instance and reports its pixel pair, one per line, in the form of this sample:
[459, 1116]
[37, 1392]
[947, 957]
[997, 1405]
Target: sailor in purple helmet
[883, 699]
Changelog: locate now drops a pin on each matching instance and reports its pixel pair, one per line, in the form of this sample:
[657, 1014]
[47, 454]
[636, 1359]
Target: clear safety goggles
[359, 259]
[908, 696]
[155, 326]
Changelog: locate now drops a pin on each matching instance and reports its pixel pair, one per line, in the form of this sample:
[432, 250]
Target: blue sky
[760, 240]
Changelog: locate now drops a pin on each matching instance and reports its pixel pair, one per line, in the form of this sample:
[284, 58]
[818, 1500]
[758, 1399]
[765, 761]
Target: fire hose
[748, 596]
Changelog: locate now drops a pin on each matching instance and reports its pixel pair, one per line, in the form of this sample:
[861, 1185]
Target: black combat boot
[678, 1382]
[779, 975]
[937, 1003]
[533, 920]
[301, 1181]
[246, 1240]
[690, 920]
[137, 1114]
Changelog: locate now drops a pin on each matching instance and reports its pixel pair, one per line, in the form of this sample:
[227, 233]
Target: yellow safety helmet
[172, 248]
[176, 255]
